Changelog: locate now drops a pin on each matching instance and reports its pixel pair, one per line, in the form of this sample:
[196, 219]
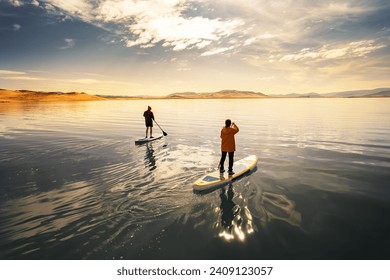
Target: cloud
[16, 3]
[75, 8]
[16, 27]
[208, 27]
[180, 33]
[267, 36]
[70, 43]
[217, 51]
[287, 23]
[151, 22]
[10, 72]
[85, 81]
[24, 78]
[17, 75]
[351, 50]
[19, 3]
[148, 23]
[213, 26]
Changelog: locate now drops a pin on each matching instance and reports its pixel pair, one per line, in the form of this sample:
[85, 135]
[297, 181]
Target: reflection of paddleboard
[146, 140]
[216, 178]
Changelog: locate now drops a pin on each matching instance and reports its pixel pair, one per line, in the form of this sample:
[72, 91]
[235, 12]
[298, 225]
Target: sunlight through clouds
[183, 25]
[179, 33]
[147, 23]
[78, 8]
[207, 45]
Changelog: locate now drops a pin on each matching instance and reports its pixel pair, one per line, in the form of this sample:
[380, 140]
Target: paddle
[165, 134]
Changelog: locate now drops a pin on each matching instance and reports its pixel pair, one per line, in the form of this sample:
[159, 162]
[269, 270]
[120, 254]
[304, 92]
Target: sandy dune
[11, 96]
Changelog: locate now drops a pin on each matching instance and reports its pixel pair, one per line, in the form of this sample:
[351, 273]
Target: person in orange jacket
[228, 145]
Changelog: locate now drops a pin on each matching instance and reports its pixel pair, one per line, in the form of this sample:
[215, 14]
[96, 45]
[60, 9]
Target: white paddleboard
[215, 179]
[146, 140]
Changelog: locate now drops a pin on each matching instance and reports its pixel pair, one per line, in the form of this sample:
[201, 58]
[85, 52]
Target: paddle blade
[164, 133]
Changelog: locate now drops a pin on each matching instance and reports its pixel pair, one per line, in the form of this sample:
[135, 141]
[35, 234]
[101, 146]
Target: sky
[158, 47]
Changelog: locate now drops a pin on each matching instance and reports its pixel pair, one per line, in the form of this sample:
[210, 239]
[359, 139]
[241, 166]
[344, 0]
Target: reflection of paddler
[149, 118]
[150, 156]
[231, 221]
[228, 209]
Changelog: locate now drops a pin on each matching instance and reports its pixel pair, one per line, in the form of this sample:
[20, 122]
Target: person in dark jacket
[149, 118]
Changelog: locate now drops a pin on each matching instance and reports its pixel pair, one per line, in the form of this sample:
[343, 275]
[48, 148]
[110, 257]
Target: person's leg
[231, 160]
[151, 134]
[222, 162]
[146, 133]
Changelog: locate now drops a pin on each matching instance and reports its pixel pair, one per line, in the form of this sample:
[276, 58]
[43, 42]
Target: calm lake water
[75, 186]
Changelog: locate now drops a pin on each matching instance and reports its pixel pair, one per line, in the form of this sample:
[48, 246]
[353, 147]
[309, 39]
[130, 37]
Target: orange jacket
[227, 135]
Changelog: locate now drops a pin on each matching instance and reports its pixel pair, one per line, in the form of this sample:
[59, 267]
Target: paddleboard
[147, 140]
[216, 179]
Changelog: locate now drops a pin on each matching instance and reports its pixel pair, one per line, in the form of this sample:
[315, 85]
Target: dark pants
[223, 157]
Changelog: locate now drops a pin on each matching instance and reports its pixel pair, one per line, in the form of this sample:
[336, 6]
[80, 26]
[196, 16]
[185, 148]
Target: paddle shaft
[165, 134]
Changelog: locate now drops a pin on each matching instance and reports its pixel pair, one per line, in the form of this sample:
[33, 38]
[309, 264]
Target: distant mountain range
[218, 94]
[379, 92]
[385, 93]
